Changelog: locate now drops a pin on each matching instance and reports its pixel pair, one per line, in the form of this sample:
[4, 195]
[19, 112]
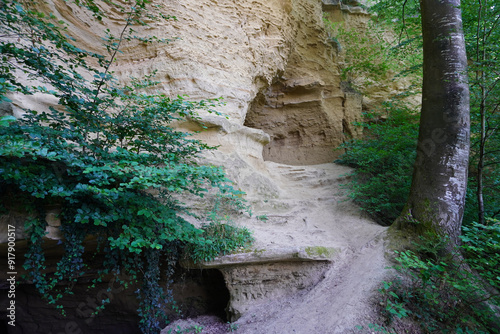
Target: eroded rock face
[272, 64]
[304, 108]
[256, 284]
[196, 292]
[270, 60]
[255, 277]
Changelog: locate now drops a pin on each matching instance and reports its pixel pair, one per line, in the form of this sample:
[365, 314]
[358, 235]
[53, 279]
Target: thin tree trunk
[480, 164]
[481, 56]
[437, 195]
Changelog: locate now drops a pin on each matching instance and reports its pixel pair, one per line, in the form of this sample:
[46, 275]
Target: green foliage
[6, 120]
[232, 327]
[383, 159]
[191, 329]
[262, 218]
[481, 244]
[366, 53]
[220, 236]
[491, 193]
[372, 55]
[439, 292]
[403, 16]
[106, 157]
[219, 239]
[482, 31]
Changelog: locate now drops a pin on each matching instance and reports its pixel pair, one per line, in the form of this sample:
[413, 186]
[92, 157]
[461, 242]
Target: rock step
[272, 255]
[311, 178]
[256, 276]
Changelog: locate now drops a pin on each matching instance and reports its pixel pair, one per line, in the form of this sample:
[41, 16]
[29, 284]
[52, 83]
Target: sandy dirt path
[318, 213]
[313, 210]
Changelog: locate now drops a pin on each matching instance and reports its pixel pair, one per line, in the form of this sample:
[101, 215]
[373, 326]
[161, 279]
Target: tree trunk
[482, 145]
[481, 57]
[439, 184]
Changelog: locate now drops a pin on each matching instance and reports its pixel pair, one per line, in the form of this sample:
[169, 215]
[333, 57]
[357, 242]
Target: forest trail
[312, 209]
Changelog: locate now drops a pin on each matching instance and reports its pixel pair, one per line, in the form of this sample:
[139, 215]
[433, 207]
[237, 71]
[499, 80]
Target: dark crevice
[203, 292]
[217, 292]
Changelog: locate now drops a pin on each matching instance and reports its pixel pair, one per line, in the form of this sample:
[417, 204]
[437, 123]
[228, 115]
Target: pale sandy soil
[312, 210]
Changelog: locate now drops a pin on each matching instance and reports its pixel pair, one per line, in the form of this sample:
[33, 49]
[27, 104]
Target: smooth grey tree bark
[437, 196]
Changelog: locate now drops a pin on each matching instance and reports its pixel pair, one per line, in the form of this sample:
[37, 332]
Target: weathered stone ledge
[349, 6]
[273, 255]
[258, 275]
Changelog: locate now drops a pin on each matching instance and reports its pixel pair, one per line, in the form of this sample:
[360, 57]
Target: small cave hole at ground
[207, 294]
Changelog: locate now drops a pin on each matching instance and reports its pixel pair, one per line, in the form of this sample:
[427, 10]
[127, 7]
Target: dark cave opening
[218, 293]
[202, 292]
[196, 293]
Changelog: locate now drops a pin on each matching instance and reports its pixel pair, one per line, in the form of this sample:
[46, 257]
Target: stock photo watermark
[12, 275]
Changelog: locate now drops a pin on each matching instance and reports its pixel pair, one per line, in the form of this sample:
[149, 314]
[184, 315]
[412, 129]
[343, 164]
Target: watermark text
[11, 274]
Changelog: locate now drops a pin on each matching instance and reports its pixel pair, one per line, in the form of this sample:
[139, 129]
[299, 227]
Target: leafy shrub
[365, 53]
[106, 157]
[220, 239]
[440, 293]
[383, 159]
[371, 55]
[491, 192]
[481, 244]
[220, 236]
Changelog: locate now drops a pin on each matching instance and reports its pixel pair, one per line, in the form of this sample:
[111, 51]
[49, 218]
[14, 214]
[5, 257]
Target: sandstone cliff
[270, 60]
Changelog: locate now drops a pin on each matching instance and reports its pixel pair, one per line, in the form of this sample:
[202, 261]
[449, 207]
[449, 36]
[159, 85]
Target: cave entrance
[218, 294]
[202, 292]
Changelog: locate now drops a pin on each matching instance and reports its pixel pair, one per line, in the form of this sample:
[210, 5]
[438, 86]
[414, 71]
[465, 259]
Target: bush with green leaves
[383, 159]
[106, 157]
[365, 53]
[439, 292]
[222, 237]
[481, 246]
[370, 54]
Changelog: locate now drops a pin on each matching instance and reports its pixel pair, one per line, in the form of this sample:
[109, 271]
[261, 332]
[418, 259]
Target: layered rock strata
[260, 275]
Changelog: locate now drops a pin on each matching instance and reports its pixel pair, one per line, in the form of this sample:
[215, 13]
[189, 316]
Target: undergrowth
[383, 160]
[443, 292]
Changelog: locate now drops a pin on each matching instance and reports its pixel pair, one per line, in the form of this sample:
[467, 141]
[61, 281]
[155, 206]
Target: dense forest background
[385, 157]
